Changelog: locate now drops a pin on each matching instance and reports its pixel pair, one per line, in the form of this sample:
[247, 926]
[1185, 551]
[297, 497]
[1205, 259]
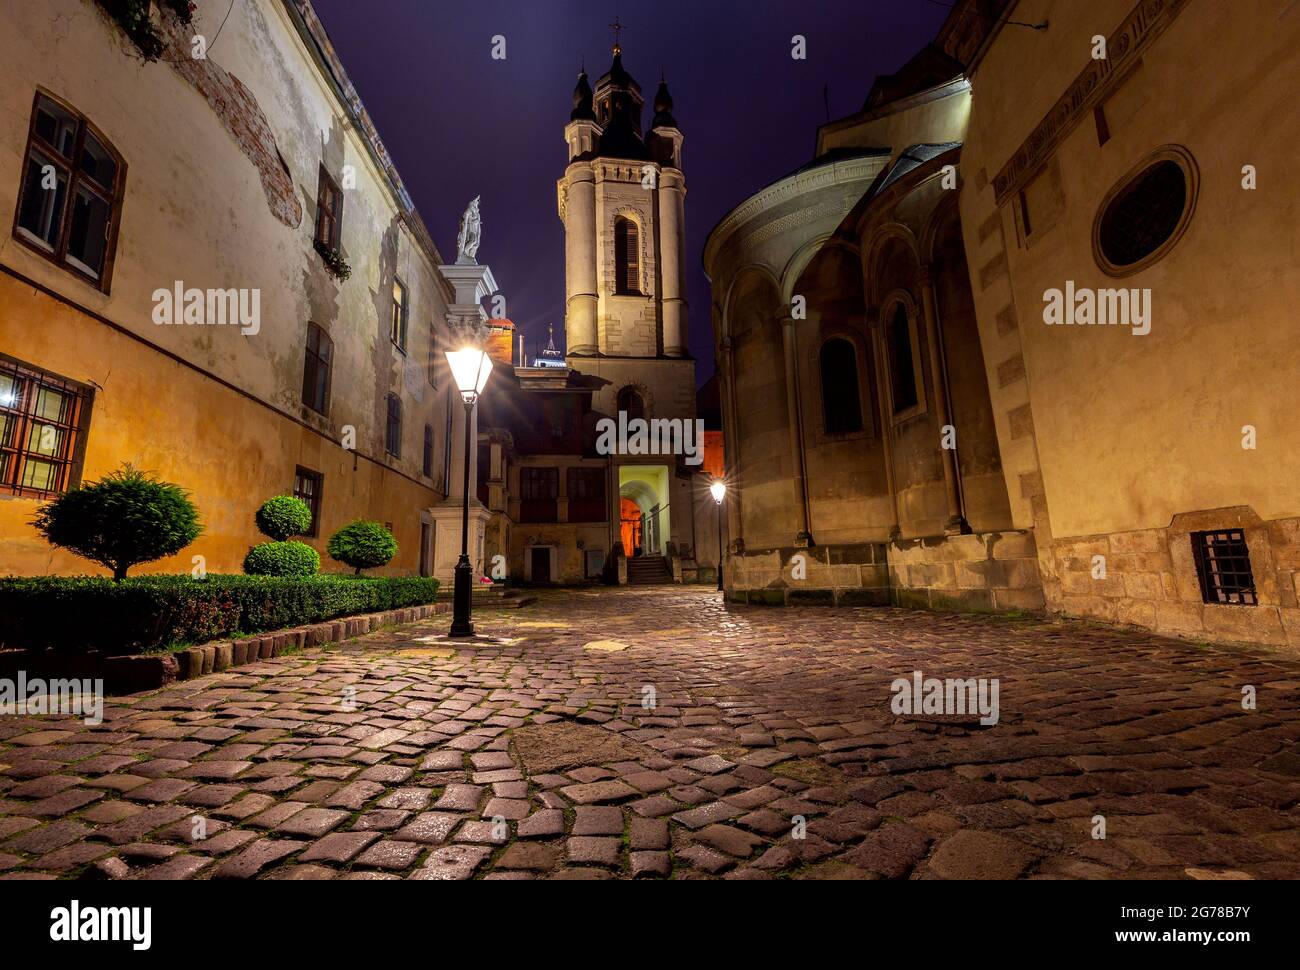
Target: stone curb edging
[140, 672]
[224, 654]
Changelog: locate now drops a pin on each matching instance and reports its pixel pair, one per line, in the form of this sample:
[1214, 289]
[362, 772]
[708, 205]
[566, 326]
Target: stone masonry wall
[1150, 580]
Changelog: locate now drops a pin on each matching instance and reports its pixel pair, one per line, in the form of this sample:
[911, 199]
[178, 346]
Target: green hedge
[146, 612]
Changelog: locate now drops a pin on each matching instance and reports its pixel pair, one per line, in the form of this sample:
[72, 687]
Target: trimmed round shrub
[283, 516]
[125, 518]
[362, 545]
[282, 559]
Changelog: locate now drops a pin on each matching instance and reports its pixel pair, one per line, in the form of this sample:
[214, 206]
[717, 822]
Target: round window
[1144, 215]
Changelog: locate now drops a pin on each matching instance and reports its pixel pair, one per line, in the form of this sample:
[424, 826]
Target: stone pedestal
[467, 321]
[446, 540]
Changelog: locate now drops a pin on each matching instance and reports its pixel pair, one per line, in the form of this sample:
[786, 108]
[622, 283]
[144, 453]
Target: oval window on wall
[1144, 215]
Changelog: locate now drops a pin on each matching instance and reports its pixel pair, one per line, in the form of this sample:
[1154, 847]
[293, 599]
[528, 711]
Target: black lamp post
[719, 490]
[470, 368]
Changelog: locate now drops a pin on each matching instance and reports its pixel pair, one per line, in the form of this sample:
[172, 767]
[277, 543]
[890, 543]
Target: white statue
[471, 234]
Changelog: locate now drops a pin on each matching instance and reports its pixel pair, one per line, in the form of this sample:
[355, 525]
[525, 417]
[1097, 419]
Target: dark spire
[663, 108]
[582, 104]
[618, 111]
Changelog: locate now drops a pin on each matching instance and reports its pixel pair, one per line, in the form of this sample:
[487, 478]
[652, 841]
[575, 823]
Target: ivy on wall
[133, 16]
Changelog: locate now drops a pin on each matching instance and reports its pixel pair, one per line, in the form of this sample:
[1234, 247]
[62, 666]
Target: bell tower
[621, 200]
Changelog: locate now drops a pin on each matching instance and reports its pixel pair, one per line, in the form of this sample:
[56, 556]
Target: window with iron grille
[1223, 567]
[308, 485]
[587, 495]
[393, 427]
[539, 490]
[428, 450]
[627, 257]
[329, 211]
[43, 423]
[70, 197]
[316, 370]
[399, 314]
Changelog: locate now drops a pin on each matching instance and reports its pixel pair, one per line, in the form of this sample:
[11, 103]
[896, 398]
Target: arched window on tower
[841, 402]
[630, 401]
[627, 257]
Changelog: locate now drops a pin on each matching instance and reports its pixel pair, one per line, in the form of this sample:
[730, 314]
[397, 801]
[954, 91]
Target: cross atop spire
[617, 26]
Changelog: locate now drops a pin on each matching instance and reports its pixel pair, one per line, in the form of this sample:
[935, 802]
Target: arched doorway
[645, 489]
[630, 526]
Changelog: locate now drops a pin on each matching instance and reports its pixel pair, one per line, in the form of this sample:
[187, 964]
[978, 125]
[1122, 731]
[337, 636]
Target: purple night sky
[460, 124]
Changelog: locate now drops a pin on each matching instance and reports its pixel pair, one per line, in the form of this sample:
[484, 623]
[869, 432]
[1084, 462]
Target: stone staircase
[648, 571]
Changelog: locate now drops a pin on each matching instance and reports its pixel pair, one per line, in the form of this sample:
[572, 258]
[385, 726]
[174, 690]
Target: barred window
[70, 197]
[1223, 567]
[43, 423]
[428, 450]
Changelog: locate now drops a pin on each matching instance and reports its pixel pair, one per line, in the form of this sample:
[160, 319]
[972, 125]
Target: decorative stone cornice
[1144, 24]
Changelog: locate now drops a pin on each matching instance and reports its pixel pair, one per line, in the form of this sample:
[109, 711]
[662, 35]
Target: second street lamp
[470, 368]
[719, 491]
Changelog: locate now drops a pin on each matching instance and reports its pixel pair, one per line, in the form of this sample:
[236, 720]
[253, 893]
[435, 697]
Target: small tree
[362, 545]
[278, 518]
[124, 519]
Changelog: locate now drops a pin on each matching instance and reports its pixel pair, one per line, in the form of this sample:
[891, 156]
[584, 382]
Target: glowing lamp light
[718, 490]
[470, 367]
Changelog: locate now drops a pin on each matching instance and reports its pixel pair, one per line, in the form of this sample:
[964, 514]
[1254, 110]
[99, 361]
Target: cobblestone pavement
[590, 748]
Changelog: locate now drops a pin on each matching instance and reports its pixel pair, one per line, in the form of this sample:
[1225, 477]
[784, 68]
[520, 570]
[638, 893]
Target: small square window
[1223, 567]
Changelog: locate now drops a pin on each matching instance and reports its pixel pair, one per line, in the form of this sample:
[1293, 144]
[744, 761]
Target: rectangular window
[70, 195]
[428, 450]
[393, 427]
[1223, 567]
[43, 423]
[539, 491]
[587, 495]
[433, 356]
[397, 320]
[329, 211]
[307, 485]
[316, 370]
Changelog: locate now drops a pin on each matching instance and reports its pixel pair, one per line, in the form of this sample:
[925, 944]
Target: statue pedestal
[470, 283]
[446, 540]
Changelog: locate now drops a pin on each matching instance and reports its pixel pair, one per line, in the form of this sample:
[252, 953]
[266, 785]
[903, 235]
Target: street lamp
[470, 367]
[719, 490]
